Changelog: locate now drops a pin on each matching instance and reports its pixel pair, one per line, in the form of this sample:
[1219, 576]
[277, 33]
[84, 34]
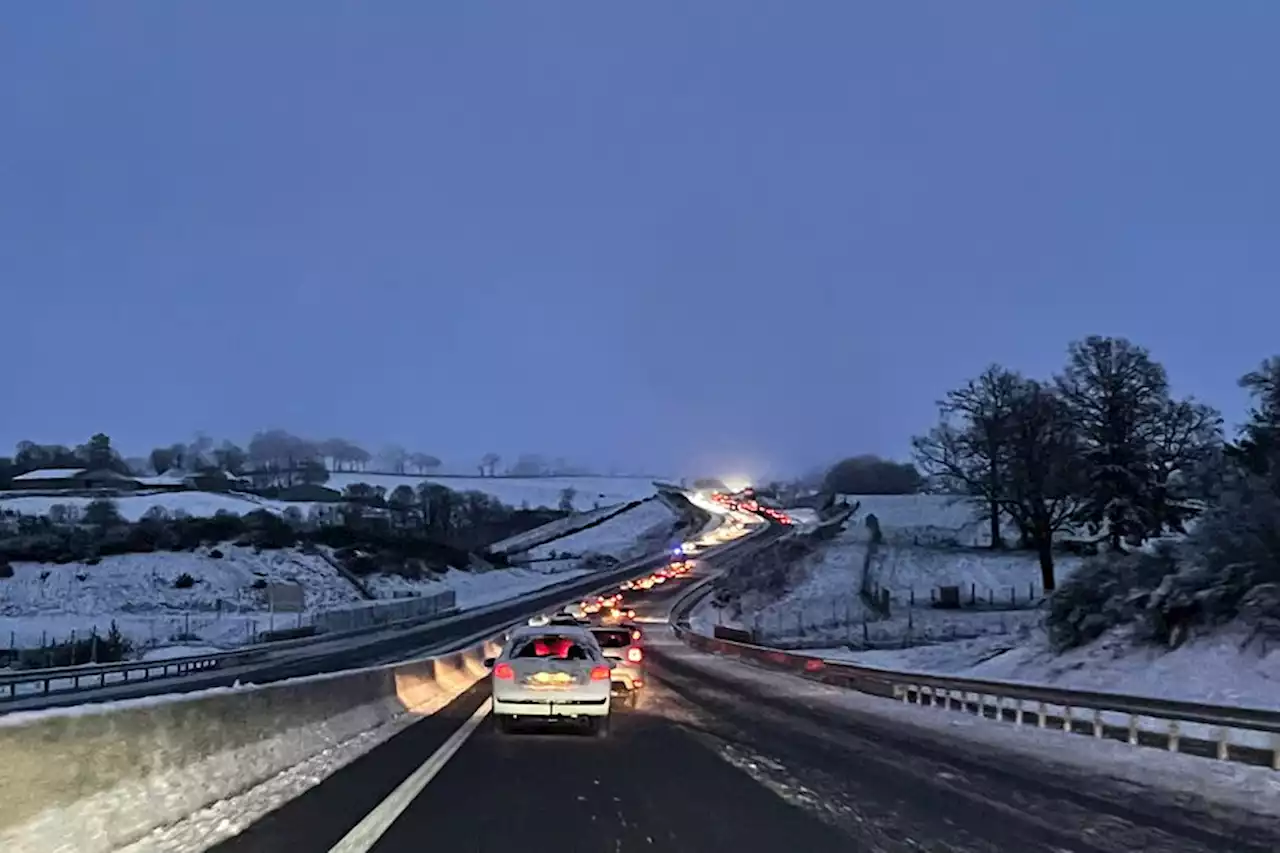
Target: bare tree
[966, 451]
[489, 464]
[1044, 484]
[393, 458]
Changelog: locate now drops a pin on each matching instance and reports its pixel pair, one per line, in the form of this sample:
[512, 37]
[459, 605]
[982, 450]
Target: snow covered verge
[87, 792]
[1213, 669]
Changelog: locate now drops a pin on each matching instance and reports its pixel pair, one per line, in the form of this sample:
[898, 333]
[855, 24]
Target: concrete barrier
[92, 779]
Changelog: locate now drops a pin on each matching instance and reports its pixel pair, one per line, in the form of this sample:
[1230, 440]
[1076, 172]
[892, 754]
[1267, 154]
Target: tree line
[273, 458]
[1102, 448]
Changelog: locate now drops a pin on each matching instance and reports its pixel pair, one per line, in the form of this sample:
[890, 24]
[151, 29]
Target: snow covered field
[132, 507]
[820, 600]
[589, 492]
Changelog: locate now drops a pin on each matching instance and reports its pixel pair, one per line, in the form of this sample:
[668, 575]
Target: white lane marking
[375, 824]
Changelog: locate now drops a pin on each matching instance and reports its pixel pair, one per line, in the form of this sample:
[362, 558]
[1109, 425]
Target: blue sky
[674, 236]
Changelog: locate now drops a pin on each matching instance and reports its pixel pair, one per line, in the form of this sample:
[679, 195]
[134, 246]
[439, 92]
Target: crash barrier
[94, 779]
[1224, 732]
[384, 613]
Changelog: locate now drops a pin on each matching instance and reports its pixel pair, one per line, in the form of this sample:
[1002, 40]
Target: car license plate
[549, 680]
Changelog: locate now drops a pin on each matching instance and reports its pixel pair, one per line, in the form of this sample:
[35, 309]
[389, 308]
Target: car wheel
[600, 726]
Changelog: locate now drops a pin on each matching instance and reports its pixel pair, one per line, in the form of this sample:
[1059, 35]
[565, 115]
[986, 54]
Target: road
[707, 764]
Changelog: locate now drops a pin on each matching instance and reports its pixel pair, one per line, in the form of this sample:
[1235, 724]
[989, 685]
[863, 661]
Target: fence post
[973, 593]
[912, 596]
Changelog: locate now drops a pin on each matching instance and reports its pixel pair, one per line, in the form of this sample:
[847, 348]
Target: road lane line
[368, 831]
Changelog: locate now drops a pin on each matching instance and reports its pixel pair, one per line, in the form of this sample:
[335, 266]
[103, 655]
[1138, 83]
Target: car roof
[573, 631]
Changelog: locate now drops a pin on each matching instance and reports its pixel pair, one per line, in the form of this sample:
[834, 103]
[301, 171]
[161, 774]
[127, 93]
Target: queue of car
[572, 666]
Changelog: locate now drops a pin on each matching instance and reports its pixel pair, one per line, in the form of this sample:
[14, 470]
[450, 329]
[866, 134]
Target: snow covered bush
[1106, 591]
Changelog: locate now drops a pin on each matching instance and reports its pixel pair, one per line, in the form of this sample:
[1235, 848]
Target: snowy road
[721, 757]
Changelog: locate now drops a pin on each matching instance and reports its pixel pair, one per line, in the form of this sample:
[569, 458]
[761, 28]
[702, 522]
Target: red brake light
[599, 673]
[635, 655]
[635, 635]
[504, 671]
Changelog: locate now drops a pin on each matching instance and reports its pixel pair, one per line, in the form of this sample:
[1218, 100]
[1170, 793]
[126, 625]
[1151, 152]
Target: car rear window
[613, 639]
[552, 646]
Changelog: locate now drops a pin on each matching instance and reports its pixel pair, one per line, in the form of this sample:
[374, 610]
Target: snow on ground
[589, 492]
[1214, 669]
[618, 537]
[820, 600]
[552, 530]
[44, 604]
[132, 507]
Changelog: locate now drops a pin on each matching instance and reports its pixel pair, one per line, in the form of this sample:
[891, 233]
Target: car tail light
[504, 671]
[635, 635]
[635, 655]
[599, 673]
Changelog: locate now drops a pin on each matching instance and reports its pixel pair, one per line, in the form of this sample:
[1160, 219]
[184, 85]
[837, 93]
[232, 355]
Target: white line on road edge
[376, 823]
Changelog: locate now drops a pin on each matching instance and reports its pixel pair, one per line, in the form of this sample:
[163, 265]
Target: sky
[677, 237]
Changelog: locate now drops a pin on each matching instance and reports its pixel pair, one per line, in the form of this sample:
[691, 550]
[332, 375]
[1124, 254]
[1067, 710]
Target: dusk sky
[679, 237]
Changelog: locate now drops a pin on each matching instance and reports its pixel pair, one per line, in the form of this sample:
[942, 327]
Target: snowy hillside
[616, 536]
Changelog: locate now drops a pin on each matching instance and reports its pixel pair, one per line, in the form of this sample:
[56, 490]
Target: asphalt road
[709, 764]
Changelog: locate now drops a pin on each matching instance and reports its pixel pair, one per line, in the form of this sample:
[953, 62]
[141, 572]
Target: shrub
[6, 570]
[1106, 591]
[184, 581]
[216, 554]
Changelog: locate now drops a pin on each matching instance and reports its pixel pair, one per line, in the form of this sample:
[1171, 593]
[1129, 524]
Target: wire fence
[897, 618]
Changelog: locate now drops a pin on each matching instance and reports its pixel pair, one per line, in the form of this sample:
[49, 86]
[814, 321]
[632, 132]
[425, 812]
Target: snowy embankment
[626, 535]
[554, 530]
[1218, 669]
[826, 596]
[227, 602]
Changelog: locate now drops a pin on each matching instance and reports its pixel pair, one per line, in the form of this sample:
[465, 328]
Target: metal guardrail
[63, 679]
[1076, 711]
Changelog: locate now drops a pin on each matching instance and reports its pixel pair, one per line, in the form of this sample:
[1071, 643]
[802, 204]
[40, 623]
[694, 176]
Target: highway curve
[710, 764]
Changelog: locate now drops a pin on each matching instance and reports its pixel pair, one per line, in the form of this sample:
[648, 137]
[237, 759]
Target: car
[553, 673]
[621, 643]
